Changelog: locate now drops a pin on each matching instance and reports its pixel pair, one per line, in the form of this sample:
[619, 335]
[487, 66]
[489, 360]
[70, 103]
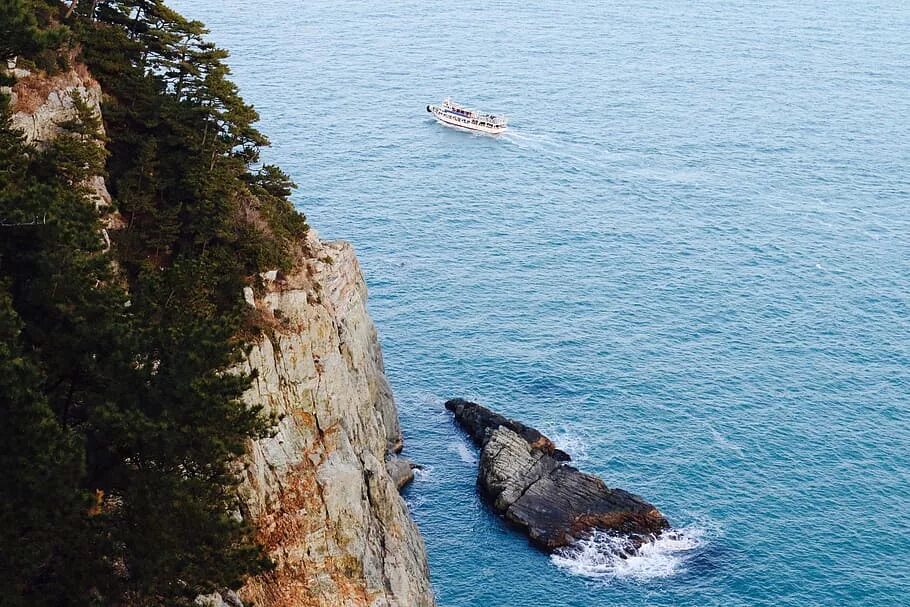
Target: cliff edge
[319, 490]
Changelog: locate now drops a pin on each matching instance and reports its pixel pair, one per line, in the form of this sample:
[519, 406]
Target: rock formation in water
[526, 479]
[322, 492]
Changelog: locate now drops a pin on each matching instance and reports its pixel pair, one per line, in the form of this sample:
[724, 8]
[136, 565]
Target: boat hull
[447, 119]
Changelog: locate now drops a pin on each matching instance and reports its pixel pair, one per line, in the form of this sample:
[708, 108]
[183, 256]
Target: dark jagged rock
[479, 422]
[526, 479]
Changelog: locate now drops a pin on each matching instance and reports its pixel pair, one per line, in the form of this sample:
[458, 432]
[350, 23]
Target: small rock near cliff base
[401, 469]
[526, 479]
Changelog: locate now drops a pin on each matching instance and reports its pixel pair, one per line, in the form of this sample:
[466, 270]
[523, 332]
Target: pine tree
[128, 382]
[28, 28]
[43, 510]
[45, 526]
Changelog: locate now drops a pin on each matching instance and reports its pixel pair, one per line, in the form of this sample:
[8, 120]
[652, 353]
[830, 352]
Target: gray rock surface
[320, 491]
[527, 480]
[478, 422]
[400, 469]
[225, 598]
[41, 103]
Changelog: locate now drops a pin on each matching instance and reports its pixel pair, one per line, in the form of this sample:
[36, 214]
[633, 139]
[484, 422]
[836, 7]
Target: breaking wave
[415, 503]
[607, 556]
[571, 440]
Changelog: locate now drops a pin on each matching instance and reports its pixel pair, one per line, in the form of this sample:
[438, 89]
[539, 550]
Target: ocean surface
[688, 261]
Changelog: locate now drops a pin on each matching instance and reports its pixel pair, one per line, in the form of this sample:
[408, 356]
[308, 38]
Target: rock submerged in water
[526, 479]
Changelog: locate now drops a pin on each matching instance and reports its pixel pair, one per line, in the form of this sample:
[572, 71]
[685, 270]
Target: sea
[687, 262]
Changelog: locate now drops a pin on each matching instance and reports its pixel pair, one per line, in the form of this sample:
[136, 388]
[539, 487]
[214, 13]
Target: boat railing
[494, 119]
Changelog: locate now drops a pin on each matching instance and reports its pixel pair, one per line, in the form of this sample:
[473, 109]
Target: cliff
[40, 102]
[322, 492]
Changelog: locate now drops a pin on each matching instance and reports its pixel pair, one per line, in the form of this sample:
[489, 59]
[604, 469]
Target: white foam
[415, 502]
[606, 556]
[464, 452]
[572, 441]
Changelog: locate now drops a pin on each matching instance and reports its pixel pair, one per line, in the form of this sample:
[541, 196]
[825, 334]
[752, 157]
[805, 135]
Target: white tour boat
[452, 114]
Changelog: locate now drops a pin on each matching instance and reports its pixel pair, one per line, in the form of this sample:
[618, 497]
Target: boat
[452, 114]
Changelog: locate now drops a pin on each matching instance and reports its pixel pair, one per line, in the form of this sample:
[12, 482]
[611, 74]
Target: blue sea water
[688, 262]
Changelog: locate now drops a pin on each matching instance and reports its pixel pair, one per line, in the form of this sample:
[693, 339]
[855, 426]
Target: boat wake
[572, 156]
[606, 556]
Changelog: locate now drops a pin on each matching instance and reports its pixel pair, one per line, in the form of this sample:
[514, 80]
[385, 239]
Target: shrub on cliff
[183, 143]
[30, 28]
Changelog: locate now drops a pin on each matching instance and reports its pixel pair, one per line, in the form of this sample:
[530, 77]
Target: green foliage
[182, 142]
[30, 28]
[118, 384]
[78, 153]
[41, 466]
[50, 332]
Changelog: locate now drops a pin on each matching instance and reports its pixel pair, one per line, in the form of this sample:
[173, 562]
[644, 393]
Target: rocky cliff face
[41, 102]
[320, 491]
[323, 491]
